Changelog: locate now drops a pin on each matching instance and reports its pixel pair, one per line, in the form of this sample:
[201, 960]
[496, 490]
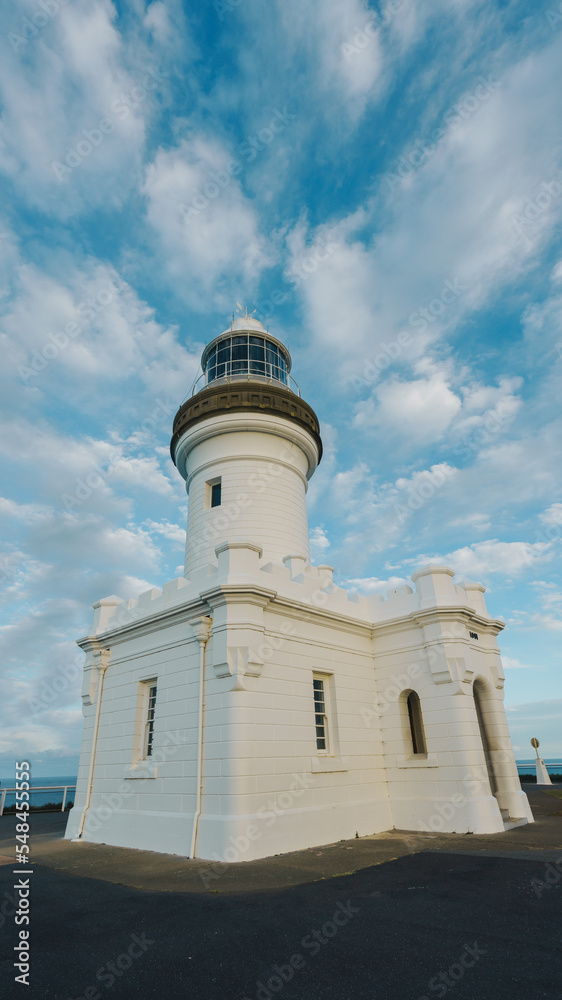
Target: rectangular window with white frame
[150, 713]
[320, 684]
[213, 493]
[145, 721]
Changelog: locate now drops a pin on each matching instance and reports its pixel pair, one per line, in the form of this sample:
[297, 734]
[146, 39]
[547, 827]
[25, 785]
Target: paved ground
[485, 913]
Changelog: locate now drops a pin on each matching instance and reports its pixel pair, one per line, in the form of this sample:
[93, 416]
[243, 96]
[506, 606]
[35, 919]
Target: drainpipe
[202, 629]
[103, 664]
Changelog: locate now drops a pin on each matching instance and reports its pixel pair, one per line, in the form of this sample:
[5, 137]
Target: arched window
[416, 723]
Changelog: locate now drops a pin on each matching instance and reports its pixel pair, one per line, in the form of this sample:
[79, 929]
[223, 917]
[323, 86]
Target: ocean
[40, 798]
[553, 765]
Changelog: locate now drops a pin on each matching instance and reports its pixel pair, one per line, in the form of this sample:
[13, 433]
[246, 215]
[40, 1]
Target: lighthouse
[252, 706]
[246, 444]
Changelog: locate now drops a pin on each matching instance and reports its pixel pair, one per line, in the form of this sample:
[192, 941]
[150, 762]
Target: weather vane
[243, 310]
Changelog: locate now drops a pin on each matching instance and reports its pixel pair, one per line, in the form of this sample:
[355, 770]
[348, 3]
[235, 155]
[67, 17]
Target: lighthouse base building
[252, 707]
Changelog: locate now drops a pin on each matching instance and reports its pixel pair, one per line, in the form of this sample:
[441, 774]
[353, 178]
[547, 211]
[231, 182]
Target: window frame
[208, 493]
[415, 719]
[149, 718]
[246, 354]
[216, 488]
[325, 725]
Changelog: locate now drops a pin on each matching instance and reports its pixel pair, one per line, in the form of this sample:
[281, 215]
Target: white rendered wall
[141, 810]
[263, 462]
[266, 788]
[448, 788]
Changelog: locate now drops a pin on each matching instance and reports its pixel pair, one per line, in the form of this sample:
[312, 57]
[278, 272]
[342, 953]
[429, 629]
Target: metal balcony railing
[36, 788]
[202, 383]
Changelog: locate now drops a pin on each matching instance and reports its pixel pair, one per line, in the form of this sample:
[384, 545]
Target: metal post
[64, 799]
[4, 790]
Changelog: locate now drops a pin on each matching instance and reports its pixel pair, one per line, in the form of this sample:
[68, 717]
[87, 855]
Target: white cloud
[207, 228]
[477, 521]
[64, 82]
[548, 616]
[346, 63]
[553, 514]
[509, 559]
[420, 410]
[348, 59]
[319, 539]
[26, 512]
[174, 532]
[452, 219]
[372, 585]
[510, 663]
[84, 321]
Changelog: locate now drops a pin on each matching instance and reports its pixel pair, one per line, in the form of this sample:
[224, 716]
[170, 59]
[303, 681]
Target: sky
[382, 183]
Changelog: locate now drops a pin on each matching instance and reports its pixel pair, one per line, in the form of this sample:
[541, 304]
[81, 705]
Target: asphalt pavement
[475, 923]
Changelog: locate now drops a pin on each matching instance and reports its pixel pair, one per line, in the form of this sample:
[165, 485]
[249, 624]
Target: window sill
[321, 765]
[143, 770]
[418, 760]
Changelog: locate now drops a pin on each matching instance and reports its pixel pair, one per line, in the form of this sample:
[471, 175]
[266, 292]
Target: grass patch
[47, 807]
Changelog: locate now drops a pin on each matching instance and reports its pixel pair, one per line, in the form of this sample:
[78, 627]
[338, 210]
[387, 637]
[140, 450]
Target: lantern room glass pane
[246, 354]
[239, 348]
[223, 351]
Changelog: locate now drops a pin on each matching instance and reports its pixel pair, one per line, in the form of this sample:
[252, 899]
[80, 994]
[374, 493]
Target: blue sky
[383, 184]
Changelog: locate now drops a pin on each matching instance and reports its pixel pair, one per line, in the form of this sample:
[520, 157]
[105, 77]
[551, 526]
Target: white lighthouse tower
[246, 445]
[252, 707]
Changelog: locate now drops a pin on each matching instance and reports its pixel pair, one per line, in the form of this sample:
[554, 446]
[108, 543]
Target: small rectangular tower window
[212, 494]
[149, 724]
[321, 715]
[216, 494]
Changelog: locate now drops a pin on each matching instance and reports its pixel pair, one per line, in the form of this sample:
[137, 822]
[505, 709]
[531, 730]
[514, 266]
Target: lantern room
[246, 351]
